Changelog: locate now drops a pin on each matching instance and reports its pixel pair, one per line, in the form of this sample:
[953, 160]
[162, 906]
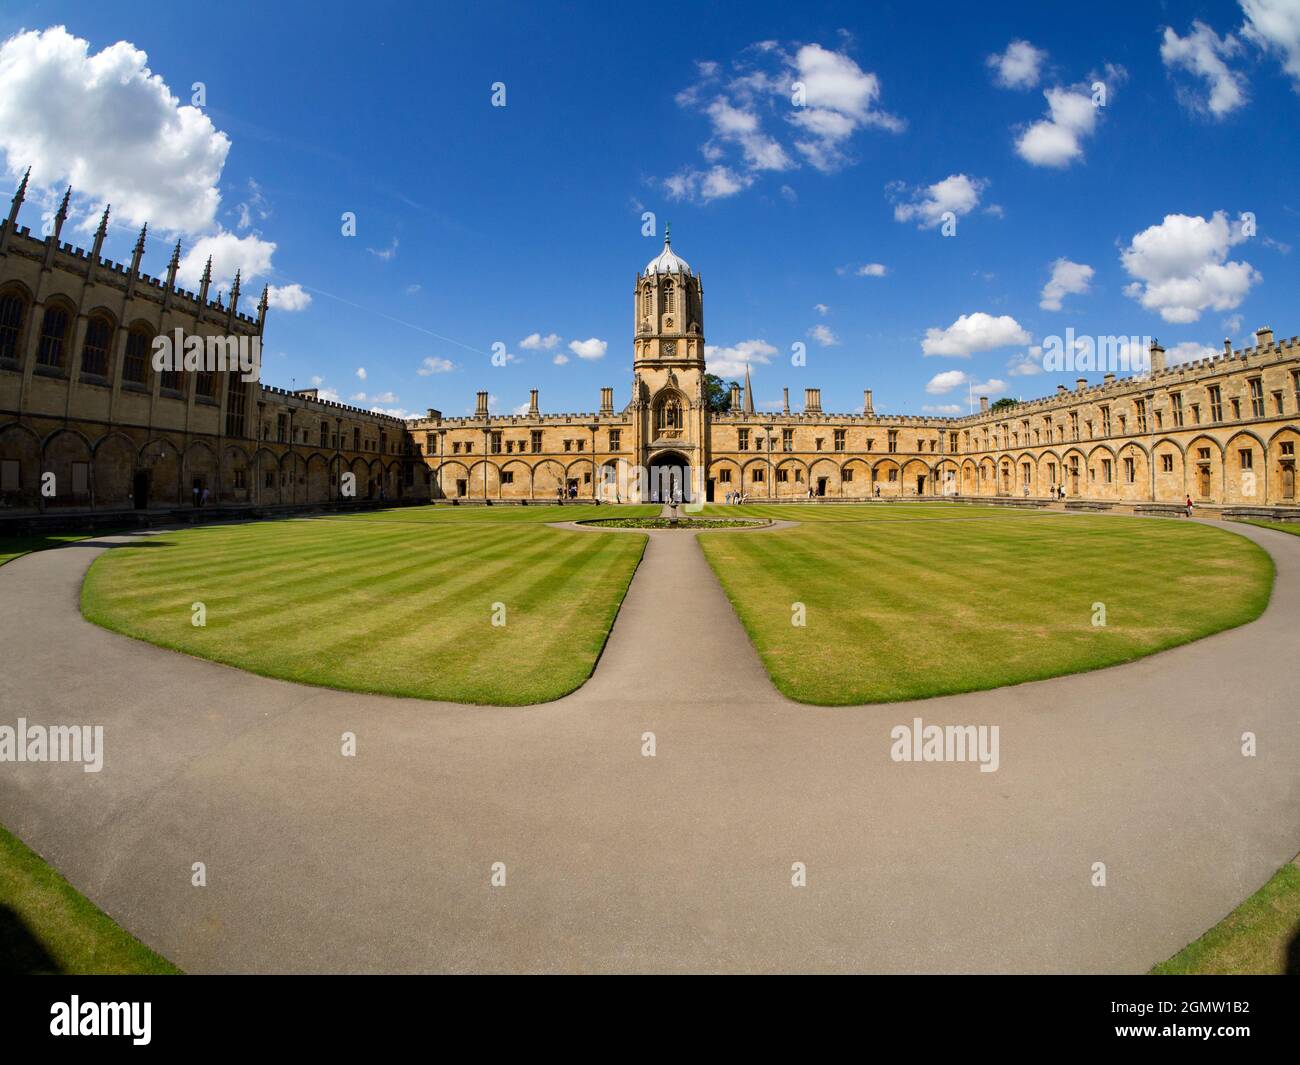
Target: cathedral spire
[19, 196]
[61, 215]
[749, 393]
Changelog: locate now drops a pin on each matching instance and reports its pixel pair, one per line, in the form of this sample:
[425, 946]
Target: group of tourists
[735, 497]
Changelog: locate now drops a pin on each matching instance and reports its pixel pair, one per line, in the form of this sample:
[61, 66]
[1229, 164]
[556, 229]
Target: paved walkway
[616, 861]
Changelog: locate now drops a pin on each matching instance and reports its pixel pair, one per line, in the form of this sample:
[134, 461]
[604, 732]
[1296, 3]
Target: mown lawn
[1261, 937]
[47, 926]
[937, 599]
[1292, 527]
[401, 602]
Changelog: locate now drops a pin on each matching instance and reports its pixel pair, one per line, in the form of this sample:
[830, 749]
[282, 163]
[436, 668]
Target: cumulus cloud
[946, 381]
[731, 361]
[821, 308]
[1189, 351]
[434, 365]
[974, 332]
[537, 342]
[774, 110]
[560, 358]
[111, 128]
[1274, 25]
[871, 270]
[361, 372]
[948, 410]
[250, 255]
[588, 349]
[1057, 140]
[1026, 364]
[1019, 67]
[927, 206]
[824, 336]
[1202, 53]
[288, 297]
[1180, 267]
[1067, 279]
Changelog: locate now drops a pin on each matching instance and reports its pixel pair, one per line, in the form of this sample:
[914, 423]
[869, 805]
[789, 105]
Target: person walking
[1188, 506]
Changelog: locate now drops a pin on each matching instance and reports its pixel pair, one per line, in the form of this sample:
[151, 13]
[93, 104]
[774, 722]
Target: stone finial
[61, 215]
[19, 196]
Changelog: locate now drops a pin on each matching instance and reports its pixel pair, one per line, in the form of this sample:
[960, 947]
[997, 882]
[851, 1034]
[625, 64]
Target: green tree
[1005, 403]
[717, 393]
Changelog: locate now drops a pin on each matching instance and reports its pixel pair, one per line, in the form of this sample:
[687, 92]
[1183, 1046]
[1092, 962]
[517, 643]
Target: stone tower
[668, 410]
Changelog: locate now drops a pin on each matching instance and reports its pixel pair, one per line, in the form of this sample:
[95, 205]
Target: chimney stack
[1227, 346]
[984, 403]
[1081, 383]
[532, 403]
[1109, 379]
[1157, 354]
[812, 400]
[434, 415]
[735, 395]
[866, 402]
[785, 406]
[481, 411]
[1263, 337]
[1060, 390]
[606, 401]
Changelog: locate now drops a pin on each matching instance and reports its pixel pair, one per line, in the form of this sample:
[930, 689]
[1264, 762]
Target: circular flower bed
[667, 523]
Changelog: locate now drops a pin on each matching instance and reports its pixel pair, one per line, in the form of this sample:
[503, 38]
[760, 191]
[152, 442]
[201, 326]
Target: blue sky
[1170, 210]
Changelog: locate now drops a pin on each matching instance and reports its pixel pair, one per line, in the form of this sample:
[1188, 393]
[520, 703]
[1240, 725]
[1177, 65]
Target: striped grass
[907, 609]
[398, 607]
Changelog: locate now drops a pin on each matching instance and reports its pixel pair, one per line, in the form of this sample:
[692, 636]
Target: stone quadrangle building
[79, 398]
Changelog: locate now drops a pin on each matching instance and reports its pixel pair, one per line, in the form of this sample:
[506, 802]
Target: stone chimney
[1081, 384]
[867, 408]
[735, 395]
[1263, 337]
[1157, 354]
[785, 403]
[532, 403]
[984, 404]
[481, 411]
[606, 400]
[434, 415]
[812, 400]
[1060, 390]
[1227, 346]
[1109, 379]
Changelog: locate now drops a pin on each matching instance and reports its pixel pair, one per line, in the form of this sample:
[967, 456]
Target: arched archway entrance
[670, 478]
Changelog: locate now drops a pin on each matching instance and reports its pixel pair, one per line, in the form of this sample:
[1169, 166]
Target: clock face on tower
[670, 347]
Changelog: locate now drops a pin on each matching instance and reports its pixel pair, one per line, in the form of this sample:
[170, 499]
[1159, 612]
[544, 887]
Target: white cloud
[1273, 25]
[522, 408]
[927, 206]
[434, 365]
[731, 362]
[1057, 140]
[588, 349]
[560, 359]
[1067, 279]
[705, 185]
[745, 104]
[824, 336]
[412, 289]
[394, 412]
[1019, 67]
[991, 387]
[974, 332]
[946, 382]
[946, 409]
[254, 205]
[537, 342]
[1180, 267]
[821, 308]
[1202, 52]
[250, 255]
[871, 270]
[1189, 351]
[385, 254]
[361, 372]
[1026, 364]
[110, 127]
[331, 395]
[288, 297]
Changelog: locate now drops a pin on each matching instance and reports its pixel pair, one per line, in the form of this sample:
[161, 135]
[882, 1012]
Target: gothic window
[647, 301]
[668, 298]
[54, 332]
[94, 354]
[135, 366]
[11, 324]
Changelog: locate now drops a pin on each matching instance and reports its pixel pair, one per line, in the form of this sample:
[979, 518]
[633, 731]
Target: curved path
[682, 861]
